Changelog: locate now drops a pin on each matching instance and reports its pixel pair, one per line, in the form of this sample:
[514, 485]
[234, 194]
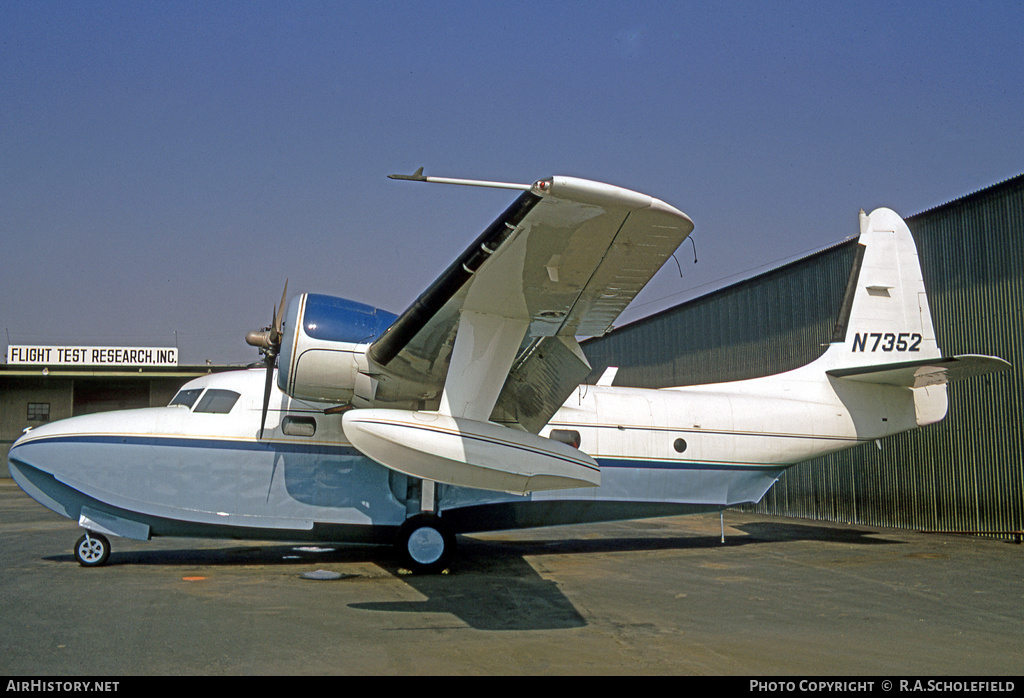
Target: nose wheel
[426, 544]
[92, 550]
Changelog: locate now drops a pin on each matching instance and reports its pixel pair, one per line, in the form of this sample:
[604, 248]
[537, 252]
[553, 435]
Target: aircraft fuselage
[181, 471]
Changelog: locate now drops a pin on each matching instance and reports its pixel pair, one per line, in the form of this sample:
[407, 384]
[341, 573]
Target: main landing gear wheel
[92, 550]
[426, 544]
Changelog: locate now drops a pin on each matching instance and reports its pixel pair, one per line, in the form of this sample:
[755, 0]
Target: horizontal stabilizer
[924, 372]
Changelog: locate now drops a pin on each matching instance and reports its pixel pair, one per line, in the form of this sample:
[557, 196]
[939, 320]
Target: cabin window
[186, 397]
[566, 436]
[217, 401]
[679, 445]
[39, 412]
[298, 426]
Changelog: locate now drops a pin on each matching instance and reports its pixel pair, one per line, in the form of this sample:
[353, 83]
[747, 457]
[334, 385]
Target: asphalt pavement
[781, 597]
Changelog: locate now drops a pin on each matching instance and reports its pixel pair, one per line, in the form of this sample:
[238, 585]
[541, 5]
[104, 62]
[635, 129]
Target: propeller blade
[276, 329]
[270, 341]
[266, 393]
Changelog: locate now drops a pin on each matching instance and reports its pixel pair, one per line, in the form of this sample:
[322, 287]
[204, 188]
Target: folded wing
[495, 337]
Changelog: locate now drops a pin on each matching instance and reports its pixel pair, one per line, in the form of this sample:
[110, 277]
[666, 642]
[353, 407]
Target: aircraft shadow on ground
[492, 585]
[489, 588]
[294, 554]
[780, 531]
[488, 592]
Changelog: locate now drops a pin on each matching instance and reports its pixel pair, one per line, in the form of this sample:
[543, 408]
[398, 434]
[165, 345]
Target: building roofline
[141, 372]
[997, 188]
[992, 189]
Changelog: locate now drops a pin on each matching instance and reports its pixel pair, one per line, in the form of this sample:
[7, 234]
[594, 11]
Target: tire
[92, 550]
[426, 545]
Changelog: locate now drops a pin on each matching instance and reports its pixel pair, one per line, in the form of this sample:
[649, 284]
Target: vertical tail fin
[885, 336]
[885, 317]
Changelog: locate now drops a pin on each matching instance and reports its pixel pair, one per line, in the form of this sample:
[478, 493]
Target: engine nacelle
[324, 344]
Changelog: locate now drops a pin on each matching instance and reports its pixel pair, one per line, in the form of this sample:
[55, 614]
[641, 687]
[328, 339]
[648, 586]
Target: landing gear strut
[92, 549]
[426, 544]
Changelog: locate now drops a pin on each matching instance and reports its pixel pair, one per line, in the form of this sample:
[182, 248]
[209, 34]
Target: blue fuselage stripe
[325, 449]
[682, 465]
[193, 442]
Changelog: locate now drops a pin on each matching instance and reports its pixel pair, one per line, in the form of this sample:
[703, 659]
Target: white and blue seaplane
[465, 413]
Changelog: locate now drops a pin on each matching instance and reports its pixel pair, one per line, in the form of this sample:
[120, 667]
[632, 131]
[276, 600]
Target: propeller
[268, 340]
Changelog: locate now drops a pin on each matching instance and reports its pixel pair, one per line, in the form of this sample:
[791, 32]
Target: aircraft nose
[61, 463]
[27, 450]
[55, 448]
[33, 467]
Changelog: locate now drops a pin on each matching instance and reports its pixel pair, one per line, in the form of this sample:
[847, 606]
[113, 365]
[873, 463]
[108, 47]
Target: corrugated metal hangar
[963, 474]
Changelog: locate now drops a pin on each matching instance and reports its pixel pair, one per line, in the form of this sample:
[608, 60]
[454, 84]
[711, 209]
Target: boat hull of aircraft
[151, 472]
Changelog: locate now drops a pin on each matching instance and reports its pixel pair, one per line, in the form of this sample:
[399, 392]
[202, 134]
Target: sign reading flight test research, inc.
[91, 356]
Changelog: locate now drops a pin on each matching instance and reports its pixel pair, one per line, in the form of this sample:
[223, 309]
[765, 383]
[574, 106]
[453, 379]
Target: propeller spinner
[268, 341]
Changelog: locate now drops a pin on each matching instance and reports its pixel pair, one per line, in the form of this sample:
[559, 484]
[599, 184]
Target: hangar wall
[963, 474]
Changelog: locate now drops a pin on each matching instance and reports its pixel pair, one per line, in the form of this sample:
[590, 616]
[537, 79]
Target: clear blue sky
[164, 166]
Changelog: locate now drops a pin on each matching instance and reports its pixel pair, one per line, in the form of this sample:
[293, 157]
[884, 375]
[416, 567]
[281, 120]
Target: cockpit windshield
[186, 397]
[217, 401]
[214, 401]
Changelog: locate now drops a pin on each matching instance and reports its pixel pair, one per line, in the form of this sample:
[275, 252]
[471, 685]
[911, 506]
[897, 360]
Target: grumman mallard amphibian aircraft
[465, 413]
